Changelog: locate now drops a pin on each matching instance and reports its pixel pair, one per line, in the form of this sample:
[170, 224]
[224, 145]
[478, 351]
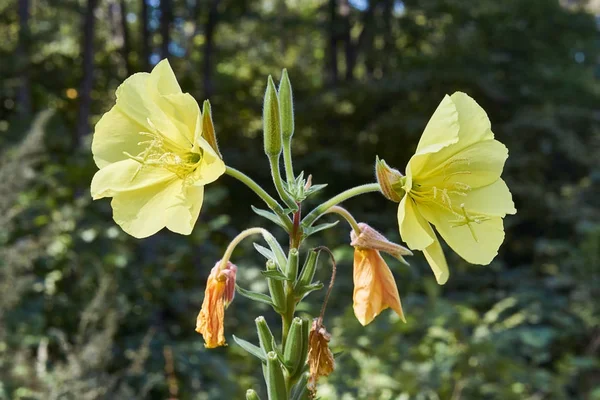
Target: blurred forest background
[87, 312]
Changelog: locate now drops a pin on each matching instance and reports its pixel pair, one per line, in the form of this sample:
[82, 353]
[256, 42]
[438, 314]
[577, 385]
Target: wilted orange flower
[374, 285]
[219, 293]
[320, 357]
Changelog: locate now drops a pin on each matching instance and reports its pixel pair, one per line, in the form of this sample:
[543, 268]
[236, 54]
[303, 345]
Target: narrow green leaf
[302, 291]
[260, 297]
[250, 348]
[275, 274]
[280, 257]
[270, 216]
[314, 229]
[268, 254]
[300, 389]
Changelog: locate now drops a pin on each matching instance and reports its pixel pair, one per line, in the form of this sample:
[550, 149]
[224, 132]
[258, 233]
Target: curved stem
[260, 192]
[355, 191]
[346, 215]
[236, 240]
[287, 160]
[276, 173]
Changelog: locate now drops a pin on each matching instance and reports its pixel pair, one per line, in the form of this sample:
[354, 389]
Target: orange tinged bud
[390, 180]
[219, 293]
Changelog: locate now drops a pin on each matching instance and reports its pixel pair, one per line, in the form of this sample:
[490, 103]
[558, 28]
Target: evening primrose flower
[219, 293]
[153, 158]
[374, 286]
[453, 182]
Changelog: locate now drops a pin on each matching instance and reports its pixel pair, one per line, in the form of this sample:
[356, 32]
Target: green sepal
[300, 389]
[260, 297]
[250, 348]
[265, 336]
[252, 395]
[271, 216]
[307, 231]
[275, 381]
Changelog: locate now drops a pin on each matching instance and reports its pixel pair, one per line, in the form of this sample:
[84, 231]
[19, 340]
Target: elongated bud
[390, 180]
[286, 106]
[271, 121]
[275, 381]
[208, 129]
[276, 289]
[252, 395]
[265, 336]
[308, 270]
[292, 354]
[369, 238]
[292, 266]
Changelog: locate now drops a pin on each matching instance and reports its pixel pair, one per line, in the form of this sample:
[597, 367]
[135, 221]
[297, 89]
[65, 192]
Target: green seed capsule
[292, 266]
[271, 121]
[276, 289]
[286, 106]
[275, 380]
[264, 334]
[252, 395]
[292, 354]
[308, 271]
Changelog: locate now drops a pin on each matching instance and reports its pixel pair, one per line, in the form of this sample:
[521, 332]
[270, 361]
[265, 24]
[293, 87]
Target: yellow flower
[152, 157]
[374, 285]
[453, 182]
[218, 294]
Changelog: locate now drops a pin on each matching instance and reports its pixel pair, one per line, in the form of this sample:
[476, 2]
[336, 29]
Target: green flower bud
[286, 106]
[271, 121]
[252, 395]
[208, 129]
[308, 270]
[276, 289]
[292, 354]
[275, 380]
[292, 267]
[390, 180]
[265, 336]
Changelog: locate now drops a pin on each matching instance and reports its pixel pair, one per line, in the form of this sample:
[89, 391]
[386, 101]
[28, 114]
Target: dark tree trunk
[331, 63]
[24, 92]
[353, 49]
[145, 36]
[126, 47]
[166, 17]
[87, 51]
[209, 47]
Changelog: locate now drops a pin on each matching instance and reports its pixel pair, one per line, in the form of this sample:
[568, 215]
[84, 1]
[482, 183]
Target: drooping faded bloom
[153, 158]
[453, 182]
[320, 357]
[219, 293]
[374, 286]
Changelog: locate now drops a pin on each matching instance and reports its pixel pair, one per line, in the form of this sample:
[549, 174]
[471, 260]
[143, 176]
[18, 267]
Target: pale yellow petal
[143, 212]
[114, 135]
[126, 176]
[437, 261]
[211, 165]
[441, 130]
[477, 243]
[163, 78]
[183, 112]
[414, 229]
[474, 123]
[492, 200]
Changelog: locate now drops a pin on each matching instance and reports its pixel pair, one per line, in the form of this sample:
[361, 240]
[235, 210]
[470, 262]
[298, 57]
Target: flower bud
[369, 238]
[276, 289]
[208, 129]
[292, 354]
[286, 106]
[271, 121]
[252, 395]
[390, 180]
[308, 270]
[275, 381]
[265, 336]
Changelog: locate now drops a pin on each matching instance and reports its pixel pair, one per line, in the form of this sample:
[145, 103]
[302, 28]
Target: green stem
[287, 160]
[260, 192]
[322, 209]
[276, 173]
[347, 216]
[241, 236]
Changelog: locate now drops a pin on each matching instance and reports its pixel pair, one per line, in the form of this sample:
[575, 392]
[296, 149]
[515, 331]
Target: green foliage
[87, 312]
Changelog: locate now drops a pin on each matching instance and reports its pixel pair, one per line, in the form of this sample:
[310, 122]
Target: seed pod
[252, 395]
[265, 336]
[292, 354]
[275, 380]
[292, 266]
[276, 289]
[271, 121]
[308, 270]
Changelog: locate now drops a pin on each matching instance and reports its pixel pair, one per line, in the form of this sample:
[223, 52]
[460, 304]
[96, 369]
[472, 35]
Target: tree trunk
[24, 92]
[145, 37]
[166, 17]
[353, 49]
[331, 63]
[209, 47]
[87, 51]
[126, 47]
[388, 37]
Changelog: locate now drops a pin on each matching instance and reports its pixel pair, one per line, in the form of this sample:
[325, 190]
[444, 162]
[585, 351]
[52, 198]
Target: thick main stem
[260, 192]
[345, 195]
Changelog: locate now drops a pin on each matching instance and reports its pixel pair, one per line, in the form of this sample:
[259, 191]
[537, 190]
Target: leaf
[268, 254]
[280, 257]
[250, 348]
[271, 216]
[314, 189]
[314, 229]
[302, 291]
[275, 274]
[260, 297]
